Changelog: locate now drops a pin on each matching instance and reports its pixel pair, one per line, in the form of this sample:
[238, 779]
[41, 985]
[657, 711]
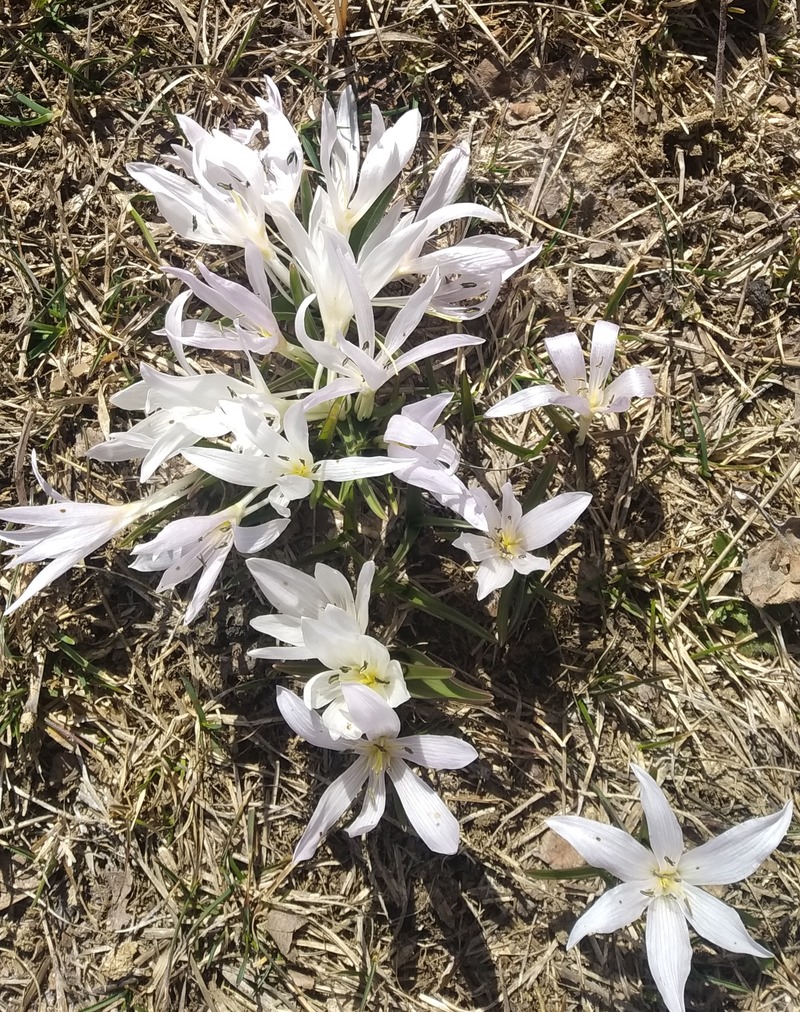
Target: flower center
[378, 755]
[301, 467]
[667, 882]
[508, 543]
[363, 674]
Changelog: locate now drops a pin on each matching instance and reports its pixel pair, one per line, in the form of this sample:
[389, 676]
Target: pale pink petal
[669, 952]
[332, 805]
[566, 355]
[614, 909]
[427, 813]
[437, 751]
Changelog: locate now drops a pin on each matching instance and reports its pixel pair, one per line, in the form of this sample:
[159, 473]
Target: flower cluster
[296, 386]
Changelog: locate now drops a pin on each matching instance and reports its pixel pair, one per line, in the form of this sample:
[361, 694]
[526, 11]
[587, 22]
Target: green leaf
[557, 874]
[43, 114]
[434, 687]
[431, 605]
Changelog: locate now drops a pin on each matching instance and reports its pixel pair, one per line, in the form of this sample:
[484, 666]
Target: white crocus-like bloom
[254, 326]
[365, 367]
[229, 184]
[379, 752]
[202, 544]
[664, 878]
[354, 185]
[350, 658]
[182, 410]
[511, 536]
[283, 463]
[66, 532]
[586, 397]
[296, 596]
[426, 458]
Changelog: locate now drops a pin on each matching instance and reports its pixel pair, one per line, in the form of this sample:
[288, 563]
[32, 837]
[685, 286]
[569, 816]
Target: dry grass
[150, 796]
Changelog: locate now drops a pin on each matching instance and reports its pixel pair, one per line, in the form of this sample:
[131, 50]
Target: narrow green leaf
[426, 602]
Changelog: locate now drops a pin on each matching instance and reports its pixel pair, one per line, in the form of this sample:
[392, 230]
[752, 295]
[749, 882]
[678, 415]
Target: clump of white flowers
[295, 386]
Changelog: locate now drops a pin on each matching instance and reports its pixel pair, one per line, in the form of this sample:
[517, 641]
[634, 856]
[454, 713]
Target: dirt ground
[150, 795]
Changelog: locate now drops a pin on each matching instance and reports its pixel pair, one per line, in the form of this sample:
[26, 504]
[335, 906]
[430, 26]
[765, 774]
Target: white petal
[511, 510]
[437, 346]
[205, 584]
[371, 714]
[493, 574]
[476, 546]
[254, 539]
[305, 722]
[334, 586]
[526, 563]
[720, 924]
[373, 808]
[332, 806]
[669, 952]
[566, 355]
[437, 751]
[601, 356]
[402, 429]
[286, 588]
[426, 412]
[237, 468]
[616, 907]
[634, 382]
[738, 852]
[606, 847]
[349, 468]
[666, 838]
[427, 813]
[363, 590]
[547, 521]
[524, 400]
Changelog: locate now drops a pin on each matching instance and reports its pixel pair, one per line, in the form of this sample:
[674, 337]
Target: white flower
[66, 532]
[182, 410]
[297, 595]
[663, 880]
[511, 535]
[426, 457]
[586, 398]
[254, 327]
[350, 658]
[283, 463]
[365, 367]
[224, 200]
[381, 752]
[191, 544]
[353, 186]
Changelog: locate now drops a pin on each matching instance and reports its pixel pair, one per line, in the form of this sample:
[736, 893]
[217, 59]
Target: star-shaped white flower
[664, 879]
[510, 536]
[586, 397]
[379, 753]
